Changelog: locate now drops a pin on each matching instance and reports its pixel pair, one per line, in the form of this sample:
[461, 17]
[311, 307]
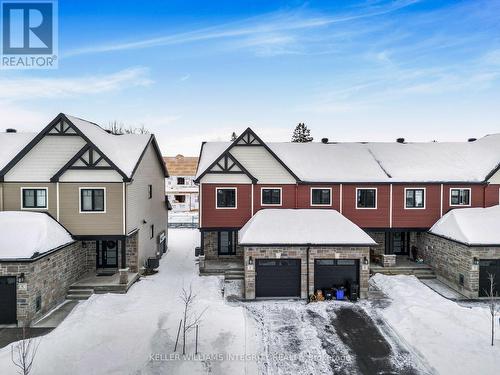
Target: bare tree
[492, 295]
[191, 317]
[117, 128]
[23, 352]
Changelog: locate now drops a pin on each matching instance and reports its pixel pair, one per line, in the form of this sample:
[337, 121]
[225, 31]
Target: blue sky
[198, 70]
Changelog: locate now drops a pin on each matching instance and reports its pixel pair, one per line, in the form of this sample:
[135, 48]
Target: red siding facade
[491, 195]
[213, 217]
[366, 217]
[416, 217]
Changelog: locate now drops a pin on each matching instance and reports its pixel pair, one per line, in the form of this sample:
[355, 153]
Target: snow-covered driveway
[134, 333]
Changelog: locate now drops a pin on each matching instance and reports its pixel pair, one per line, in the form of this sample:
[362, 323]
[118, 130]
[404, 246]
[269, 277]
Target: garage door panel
[277, 278]
[333, 272]
[8, 308]
[487, 267]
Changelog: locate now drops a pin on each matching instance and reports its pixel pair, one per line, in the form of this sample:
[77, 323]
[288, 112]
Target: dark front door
[486, 268]
[107, 254]
[8, 305]
[329, 273]
[277, 278]
[397, 243]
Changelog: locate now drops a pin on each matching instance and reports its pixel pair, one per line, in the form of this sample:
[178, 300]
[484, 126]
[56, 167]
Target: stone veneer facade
[211, 246]
[450, 259]
[131, 252]
[48, 278]
[315, 252]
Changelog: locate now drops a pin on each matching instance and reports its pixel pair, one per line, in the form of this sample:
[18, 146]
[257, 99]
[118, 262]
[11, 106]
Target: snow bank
[453, 339]
[24, 233]
[472, 226]
[302, 227]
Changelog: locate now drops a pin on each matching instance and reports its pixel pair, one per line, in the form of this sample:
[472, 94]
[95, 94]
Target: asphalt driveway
[11, 334]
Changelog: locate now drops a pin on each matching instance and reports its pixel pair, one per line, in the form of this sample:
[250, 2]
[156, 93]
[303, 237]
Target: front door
[397, 243]
[8, 305]
[487, 268]
[107, 254]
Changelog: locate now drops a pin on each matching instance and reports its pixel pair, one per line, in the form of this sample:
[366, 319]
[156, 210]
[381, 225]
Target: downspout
[441, 202]
[390, 207]
[251, 199]
[296, 195]
[307, 275]
[341, 198]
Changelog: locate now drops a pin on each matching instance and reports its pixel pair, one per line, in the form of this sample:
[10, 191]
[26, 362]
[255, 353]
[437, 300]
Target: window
[38, 302]
[366, 198]
[460, 197]
[180, 198]
[414, 198]
[92, 200]
[321, 196]
[150, 191]
[227, 242]
[34, 198]
[271, 196]
[152, 231]
[226, 197]
[181, 181]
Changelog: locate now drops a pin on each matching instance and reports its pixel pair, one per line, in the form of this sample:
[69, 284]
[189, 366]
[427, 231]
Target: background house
[181, 190]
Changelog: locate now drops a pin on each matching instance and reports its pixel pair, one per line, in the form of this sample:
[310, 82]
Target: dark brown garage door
[487, 267]
[8, 300]
[329, 273]
[277, 278]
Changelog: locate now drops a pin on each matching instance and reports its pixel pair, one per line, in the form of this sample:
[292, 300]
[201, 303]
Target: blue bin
[339, 294]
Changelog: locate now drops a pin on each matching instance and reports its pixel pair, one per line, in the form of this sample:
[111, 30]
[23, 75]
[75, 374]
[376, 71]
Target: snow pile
[123, 150]
[302, 227]
[471, 226]
[22, 234]
[135, 332]
[452, 338]
[11, 144]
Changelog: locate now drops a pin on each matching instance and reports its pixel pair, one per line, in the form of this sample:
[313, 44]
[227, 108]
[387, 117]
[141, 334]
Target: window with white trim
[92, 200]
[34, 198]
[460, 197]
[271, 196]
[414, 198]
[366, 198]
[226, 198]
[321, 197]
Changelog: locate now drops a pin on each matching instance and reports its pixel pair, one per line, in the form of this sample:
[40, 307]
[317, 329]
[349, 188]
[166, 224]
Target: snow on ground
[454, 339]
[117, 334]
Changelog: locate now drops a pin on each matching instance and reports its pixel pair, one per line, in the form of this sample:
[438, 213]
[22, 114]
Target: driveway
[329, 338]
[11, 334]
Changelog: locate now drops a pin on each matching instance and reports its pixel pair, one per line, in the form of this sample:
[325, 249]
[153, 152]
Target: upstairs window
[150, 191]
[415, 198]
[226, 197]
[181, 181]
[92, 200]
[366, 198]
[460, 197]
[271, 196]
[321, 197]
[34, 198]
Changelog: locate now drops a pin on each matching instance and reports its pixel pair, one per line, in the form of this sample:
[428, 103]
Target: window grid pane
[226, 198]
[366, 198]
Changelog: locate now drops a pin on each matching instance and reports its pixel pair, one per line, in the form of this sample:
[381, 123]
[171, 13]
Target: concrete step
[234, 277]
[78, 297]
[79, 294]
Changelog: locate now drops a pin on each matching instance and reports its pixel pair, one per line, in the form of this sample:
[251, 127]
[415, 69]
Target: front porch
[92, 283]
[403, 266]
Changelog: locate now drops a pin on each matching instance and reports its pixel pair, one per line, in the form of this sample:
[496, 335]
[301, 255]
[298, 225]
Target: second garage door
[329, 273]
[487, 267]
[277, 278]
[8, 300]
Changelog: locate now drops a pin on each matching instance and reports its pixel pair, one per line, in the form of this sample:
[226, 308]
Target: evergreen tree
[301, 134]
[233, 137]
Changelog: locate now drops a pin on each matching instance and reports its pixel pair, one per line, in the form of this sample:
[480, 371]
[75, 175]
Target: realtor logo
[29, 34]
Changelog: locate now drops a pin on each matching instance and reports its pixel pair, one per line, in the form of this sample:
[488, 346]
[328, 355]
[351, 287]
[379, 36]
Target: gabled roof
[302, 227]
[23, 234]
[181, 165]
[11, 144]
[382, 162]
[470, 226]
[122, 152]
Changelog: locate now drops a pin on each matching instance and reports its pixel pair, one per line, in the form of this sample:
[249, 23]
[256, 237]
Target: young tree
[23, 352]
[301, 134]
[191, 317]
[492, 295]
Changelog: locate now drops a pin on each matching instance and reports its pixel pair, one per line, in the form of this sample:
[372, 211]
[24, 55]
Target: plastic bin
[339, 294]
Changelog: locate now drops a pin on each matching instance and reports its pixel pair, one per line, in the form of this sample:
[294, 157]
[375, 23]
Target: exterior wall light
[250, 260]
[365, 260]
[475, 261]
[21, 278]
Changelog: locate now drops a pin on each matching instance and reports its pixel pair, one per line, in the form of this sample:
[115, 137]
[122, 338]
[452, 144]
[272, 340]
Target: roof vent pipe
[324, 140]
[472, 140]
[11, 130]
[400, 140]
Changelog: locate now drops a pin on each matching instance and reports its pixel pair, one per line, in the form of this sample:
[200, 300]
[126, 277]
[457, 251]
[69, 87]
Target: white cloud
[23, 88]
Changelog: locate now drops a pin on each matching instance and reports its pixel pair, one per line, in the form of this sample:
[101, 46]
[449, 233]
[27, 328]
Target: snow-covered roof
[302, 227]
[380, 162]
[11, 144]
[123, 150]
[471, 226]
[22, 234]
